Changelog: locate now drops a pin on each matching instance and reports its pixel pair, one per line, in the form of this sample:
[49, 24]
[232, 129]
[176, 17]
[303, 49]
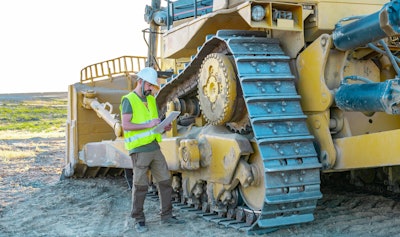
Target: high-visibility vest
[141, 114]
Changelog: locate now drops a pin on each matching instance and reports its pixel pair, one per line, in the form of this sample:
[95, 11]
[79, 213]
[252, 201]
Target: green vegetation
[33, 116]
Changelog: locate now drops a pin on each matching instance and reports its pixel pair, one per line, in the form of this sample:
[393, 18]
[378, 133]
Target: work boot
[140, 227]
[172, 220]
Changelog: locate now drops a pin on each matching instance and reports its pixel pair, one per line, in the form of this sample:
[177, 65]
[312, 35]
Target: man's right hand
[154, 122]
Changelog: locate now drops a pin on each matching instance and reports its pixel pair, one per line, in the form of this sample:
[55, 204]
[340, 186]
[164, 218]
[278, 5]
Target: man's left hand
[168, 127]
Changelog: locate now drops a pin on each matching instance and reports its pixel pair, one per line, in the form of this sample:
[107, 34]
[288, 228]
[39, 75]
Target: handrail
[123, 65]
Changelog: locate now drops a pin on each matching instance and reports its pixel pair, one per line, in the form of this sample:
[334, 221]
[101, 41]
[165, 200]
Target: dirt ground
[34, 202]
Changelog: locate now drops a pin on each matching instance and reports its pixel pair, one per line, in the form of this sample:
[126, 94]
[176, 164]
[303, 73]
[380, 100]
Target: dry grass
[25, 120]
[10, 135]
[43, 113]
[18, 144]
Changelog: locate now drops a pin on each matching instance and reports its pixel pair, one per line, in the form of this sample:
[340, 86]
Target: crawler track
[291, 166]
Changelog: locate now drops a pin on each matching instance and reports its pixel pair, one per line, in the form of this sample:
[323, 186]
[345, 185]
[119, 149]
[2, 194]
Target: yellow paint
[174, 130]
[225, 149]
[315, 95]
[369, 150]
[319, 127]
[189, 154]
[170, 149]
[360, 123]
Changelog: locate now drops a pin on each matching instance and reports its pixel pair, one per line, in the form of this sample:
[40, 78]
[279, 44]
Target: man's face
[148, 88]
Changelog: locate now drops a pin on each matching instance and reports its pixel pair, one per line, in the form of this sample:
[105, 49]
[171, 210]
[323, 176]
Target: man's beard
[146, 93]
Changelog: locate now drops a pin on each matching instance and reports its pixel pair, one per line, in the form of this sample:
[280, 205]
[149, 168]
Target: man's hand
[153, 123]
[168, 127]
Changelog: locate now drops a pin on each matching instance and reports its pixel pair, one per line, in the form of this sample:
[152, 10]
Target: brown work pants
[155, 162]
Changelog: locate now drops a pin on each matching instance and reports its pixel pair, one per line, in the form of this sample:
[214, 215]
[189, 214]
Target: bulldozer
[271, 95]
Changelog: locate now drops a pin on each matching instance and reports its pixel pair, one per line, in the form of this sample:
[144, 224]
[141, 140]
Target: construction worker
[139, 115]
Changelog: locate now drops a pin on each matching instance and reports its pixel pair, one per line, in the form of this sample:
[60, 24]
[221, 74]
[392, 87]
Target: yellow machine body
[271, 95]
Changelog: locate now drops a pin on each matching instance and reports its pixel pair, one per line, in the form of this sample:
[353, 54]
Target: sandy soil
[34, 202]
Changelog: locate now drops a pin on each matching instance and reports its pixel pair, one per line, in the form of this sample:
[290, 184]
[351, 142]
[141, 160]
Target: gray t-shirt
[127, 109]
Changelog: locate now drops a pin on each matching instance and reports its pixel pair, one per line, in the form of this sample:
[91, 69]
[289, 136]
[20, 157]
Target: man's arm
[129, 126]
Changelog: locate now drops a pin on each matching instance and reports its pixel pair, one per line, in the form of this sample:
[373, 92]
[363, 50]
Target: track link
[291, 166]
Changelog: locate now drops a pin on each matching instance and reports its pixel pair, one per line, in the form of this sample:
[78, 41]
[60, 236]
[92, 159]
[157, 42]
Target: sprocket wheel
[242, 126]
[217, 89]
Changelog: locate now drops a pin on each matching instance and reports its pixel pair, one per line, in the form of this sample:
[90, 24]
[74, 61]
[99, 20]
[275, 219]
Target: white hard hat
[148, 74]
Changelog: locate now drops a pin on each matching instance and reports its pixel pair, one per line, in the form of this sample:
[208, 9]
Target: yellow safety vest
[141, 114]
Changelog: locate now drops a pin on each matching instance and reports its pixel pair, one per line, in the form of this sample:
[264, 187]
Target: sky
[44, 44]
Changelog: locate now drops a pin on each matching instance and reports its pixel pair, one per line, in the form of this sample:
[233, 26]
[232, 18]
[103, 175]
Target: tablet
[171, 117]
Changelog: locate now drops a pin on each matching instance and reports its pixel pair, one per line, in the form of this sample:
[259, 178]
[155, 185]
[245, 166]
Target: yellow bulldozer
[271, 95]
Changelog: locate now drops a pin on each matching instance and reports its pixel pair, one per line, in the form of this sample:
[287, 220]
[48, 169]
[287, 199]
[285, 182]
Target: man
[139, 115]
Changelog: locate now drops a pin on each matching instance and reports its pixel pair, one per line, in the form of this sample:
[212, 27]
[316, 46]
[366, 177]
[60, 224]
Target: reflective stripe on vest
[138, 136]
[141, 114]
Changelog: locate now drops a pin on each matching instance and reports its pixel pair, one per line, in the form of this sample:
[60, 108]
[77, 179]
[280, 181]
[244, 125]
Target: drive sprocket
[217, 88]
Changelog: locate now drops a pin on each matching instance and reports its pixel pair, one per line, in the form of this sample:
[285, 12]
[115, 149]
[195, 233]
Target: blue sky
[45, 43]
